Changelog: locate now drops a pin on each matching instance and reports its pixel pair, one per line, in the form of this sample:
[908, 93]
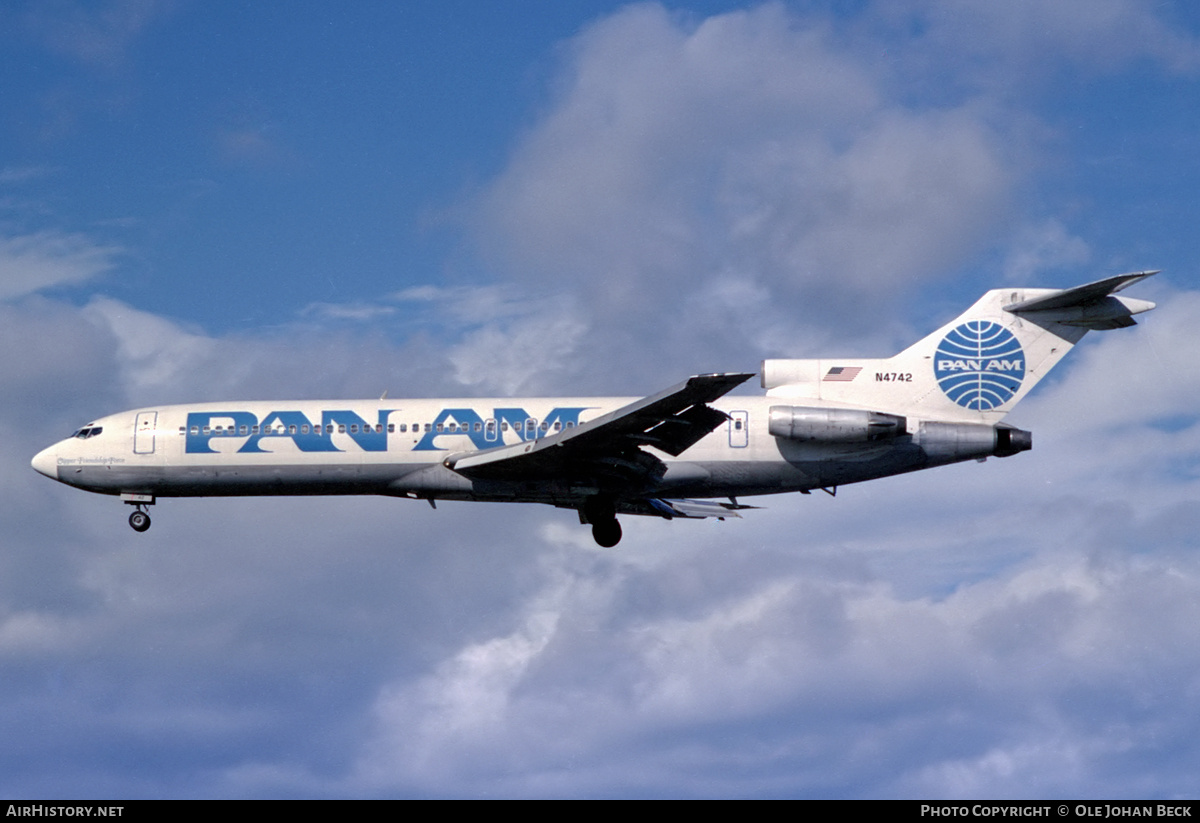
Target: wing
[610, 449]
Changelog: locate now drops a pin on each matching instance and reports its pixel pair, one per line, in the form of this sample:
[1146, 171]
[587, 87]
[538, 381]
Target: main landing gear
[139, 520]
[607, 533]
[602, 514]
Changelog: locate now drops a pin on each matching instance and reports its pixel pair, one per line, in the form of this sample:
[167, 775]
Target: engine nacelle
[807, 423]
[952, 442]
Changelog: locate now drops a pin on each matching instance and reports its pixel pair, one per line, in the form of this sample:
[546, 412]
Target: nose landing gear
[139, 520]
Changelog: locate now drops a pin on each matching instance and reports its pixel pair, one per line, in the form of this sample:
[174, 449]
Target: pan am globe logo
[979, 365]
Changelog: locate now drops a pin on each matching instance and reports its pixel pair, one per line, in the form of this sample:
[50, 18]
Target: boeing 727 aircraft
[821, 424]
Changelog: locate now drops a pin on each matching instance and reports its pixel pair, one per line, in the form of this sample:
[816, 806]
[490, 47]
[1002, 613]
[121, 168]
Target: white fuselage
[398, 447]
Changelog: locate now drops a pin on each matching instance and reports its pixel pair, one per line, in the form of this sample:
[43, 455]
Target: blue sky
[217, 201]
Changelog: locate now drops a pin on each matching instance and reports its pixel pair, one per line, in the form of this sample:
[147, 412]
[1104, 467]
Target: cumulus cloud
[682, 161]
[751, 148]
[807, 682]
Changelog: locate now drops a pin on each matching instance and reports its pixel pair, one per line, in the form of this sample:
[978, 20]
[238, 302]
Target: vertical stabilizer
[976, 367]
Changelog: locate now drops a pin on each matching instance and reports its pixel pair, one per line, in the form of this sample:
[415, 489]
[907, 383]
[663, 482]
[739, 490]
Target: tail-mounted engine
[941, 442]
[952, 442]
[806, 423]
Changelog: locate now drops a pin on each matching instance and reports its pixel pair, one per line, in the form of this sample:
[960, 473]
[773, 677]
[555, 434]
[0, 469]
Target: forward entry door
[143, 432]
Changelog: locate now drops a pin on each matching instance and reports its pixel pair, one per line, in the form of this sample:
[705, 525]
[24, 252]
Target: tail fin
[976, 367]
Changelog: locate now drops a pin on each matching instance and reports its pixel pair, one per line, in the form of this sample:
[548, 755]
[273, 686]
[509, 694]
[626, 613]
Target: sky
[219, 200]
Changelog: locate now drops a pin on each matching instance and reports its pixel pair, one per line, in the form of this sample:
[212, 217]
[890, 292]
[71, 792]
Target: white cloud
[523, 356]
[501, 341]
[754, 144]
[45, 259]
[153, 351]
[347, 311]
[97, 35]
[966, 696]
[1007, 45]
[1036, 249]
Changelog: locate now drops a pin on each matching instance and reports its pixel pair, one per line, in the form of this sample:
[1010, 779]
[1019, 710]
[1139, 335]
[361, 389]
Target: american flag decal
[841, 374]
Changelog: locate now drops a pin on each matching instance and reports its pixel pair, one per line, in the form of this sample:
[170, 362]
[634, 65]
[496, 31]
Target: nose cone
[46, 462]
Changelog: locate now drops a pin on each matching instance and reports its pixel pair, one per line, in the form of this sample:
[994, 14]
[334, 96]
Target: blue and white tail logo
[979, 365]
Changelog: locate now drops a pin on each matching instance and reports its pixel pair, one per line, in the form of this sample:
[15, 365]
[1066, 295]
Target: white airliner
[822, 424]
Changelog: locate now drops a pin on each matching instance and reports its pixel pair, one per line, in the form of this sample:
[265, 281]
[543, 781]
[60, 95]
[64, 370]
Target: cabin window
[504, 426]
[304, 429]
[558, 425]
[391, 428]
[329, 428]
[291, 429]
[207, 430]
[428, 427]
[182, 429]
[341, 428]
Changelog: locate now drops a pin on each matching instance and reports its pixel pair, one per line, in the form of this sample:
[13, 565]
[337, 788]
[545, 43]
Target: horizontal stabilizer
[1090, 306]
[692, 509]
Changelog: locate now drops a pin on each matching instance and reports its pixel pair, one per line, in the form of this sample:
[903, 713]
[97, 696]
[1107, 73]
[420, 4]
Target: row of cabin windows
[354, 428]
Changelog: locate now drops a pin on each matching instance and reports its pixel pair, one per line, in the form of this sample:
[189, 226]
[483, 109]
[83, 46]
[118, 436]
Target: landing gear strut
[602, 514]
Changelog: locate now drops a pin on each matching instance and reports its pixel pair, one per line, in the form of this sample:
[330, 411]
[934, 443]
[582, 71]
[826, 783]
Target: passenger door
[739, 429]
[143, 432]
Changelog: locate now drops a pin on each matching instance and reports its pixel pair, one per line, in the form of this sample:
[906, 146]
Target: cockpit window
[88, 431]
